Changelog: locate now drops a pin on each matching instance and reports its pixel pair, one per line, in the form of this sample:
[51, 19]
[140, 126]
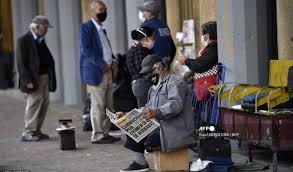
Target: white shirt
[107, 52]
[36, 37]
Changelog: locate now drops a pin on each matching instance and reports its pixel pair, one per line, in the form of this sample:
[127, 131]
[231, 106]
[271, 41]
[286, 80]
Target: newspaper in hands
[133, 124]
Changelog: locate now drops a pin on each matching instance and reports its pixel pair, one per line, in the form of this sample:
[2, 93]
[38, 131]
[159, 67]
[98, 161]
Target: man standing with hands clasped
[36, 70]
[96, 60]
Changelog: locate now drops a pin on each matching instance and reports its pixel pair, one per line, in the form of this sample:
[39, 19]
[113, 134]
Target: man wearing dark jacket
[36, 77]
[164, 45]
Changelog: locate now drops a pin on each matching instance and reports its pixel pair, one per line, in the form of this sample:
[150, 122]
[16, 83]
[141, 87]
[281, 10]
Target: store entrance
[6, 46]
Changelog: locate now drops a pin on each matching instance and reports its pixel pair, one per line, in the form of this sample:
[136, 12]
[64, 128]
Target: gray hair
[94, 2]
[40, 20]
[33, 25]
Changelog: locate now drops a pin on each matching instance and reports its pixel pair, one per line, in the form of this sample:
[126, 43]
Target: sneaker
[29, 138]
[135, 167]
[41, 136]
[106, 140]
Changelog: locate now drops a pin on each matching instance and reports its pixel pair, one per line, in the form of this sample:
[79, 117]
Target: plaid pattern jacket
[134, 58]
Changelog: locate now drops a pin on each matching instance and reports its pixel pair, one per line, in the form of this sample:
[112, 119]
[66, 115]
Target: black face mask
[102, 16]
[154, 79]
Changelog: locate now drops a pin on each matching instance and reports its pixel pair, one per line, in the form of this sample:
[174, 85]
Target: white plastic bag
[199, 165]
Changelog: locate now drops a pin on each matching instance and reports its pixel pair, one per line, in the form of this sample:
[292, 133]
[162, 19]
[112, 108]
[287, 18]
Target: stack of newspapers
[133, 124]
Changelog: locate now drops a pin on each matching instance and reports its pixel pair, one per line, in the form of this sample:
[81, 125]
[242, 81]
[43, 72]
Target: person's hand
[148, 113]
[30, 85]
[106, 68]
[182, 59]
[120, 114]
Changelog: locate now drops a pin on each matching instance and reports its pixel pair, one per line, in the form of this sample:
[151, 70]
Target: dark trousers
[149, 142]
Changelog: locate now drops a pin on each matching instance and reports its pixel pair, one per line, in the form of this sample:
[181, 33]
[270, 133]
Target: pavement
[45, 156]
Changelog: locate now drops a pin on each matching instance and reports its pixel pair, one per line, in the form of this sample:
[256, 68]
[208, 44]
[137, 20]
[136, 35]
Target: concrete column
[53, 42]
[22, 14]
[70, 20]
[132, 17]
[242, 41]
[116, 25]
[285, 29]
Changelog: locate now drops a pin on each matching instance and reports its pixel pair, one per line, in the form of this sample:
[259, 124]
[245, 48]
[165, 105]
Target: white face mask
[150, 44]
[140, 16]
[203, 41]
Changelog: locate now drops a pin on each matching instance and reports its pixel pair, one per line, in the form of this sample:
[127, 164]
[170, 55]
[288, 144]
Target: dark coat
[164, 45]
[206, 61]
[28, 64]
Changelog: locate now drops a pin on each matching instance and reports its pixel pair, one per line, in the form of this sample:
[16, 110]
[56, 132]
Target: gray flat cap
[42, 20]
[151, 6]
[148, 63]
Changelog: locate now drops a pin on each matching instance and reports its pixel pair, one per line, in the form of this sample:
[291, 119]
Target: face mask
[203, 41]
[154, 79]
[140, 16]
[150, 44]
[102, 16]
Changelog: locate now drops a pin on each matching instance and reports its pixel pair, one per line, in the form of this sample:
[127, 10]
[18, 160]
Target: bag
[86, 118]
[201, 86]
[217, 150]
[214, 147]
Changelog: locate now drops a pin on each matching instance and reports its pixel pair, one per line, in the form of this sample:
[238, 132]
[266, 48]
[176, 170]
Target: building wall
[6, 27]
[285, 29]
[242, 34]
[201, 11]
[242, 40]
[241, 31]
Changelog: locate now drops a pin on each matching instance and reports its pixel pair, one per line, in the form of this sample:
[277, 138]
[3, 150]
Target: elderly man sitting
[168, 102]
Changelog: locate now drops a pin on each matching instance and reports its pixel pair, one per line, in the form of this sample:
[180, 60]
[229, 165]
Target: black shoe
[135, 167]
[114, 128]
[106, 140]
[115, 139]
[29, 138]
[41, 136]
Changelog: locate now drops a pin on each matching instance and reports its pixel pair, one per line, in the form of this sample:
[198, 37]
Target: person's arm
[175, 102]
[22, 63]
[205, 62]
[86, 48]
[173, 50]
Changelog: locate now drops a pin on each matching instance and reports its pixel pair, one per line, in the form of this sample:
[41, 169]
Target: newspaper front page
[133, 124]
